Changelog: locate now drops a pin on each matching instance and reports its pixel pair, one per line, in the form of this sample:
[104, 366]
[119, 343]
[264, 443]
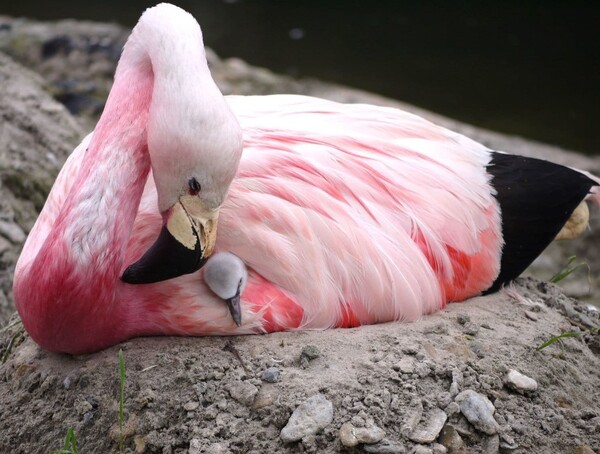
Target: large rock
[36, 135]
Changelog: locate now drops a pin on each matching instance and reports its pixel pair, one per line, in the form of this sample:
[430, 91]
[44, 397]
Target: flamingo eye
[194, 186]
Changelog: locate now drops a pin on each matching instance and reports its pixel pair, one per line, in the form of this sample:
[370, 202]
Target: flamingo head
[195, 148]
[226, 275]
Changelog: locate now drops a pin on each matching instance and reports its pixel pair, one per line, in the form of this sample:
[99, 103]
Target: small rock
[422, 370]
[491, 444]
[432, 428]
[265, 397]
[140, 444]
[439, 449]
[457, 380]
[191, 406]
[478, 410]
[519, 382]
[507, 442]
[438, 328]
[450, 438]
[243, 391]
[310, 417]
[452, 409]
[420, 449]
[310, 352]
[531, 316]
[410, 349]
[351, 436]
[83, 407]
[270, 375]
[406, 365]
[463, 319]
[384, 448]
[471, 329]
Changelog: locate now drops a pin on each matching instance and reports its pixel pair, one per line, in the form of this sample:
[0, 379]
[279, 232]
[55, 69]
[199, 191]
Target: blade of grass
[122, 389]
[567, 269]
[558, 338]
[70, 444]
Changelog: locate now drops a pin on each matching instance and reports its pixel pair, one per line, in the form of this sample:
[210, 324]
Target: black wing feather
[536, 199]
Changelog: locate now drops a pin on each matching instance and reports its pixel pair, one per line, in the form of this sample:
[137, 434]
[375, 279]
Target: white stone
[310, 417]
[478, 410]
[351, 436]
[519, 382]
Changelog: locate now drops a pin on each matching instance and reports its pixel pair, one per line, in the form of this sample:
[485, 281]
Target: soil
[206, 395]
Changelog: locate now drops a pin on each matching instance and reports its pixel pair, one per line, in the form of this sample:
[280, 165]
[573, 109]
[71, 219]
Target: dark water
[530, 68]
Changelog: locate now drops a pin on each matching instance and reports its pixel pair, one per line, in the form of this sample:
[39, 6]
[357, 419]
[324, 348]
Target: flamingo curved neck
[66, 284]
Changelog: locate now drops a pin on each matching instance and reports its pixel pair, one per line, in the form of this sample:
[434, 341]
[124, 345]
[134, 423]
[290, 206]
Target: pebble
[420, 449]
[244, 392]
[410, 349]
[384, 448]
[507, 442]
[490, 444]
[470, 329]
[450, 438]
[463, 319]
[452, 409]
[439, 449]
[432, 428]
[531, 316]
[519, 382]
[265, 397]
[457, 379]
[313, 415]
[270, 375]
[352, 436]
[478, 410]
[191, 406]
[310, 352]
[406, 365]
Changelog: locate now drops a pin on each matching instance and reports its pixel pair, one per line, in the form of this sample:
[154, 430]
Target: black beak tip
[166, 259]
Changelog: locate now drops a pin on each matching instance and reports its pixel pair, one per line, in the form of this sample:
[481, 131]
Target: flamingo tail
[536, 199]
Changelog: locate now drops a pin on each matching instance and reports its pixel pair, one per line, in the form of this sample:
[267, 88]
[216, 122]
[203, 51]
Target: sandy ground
[193, 395]
[437, 385]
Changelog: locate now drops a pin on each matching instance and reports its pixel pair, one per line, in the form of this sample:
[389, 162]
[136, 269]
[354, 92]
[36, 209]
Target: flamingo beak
[185, 242]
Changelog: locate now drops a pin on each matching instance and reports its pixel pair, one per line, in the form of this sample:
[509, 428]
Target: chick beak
[233, 304]
[185, 242]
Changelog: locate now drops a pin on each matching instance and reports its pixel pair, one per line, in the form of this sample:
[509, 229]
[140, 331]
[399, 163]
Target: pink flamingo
[343, 214]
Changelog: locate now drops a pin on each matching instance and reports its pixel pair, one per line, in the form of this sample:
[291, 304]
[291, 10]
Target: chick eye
[194, 186]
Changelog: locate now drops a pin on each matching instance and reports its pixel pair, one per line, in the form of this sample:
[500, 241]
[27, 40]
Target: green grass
[122, 389]
[558, 339]
[568, 269]
[70, 444]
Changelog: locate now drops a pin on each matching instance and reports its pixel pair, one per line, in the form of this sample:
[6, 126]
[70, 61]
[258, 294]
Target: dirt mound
[392, 388]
